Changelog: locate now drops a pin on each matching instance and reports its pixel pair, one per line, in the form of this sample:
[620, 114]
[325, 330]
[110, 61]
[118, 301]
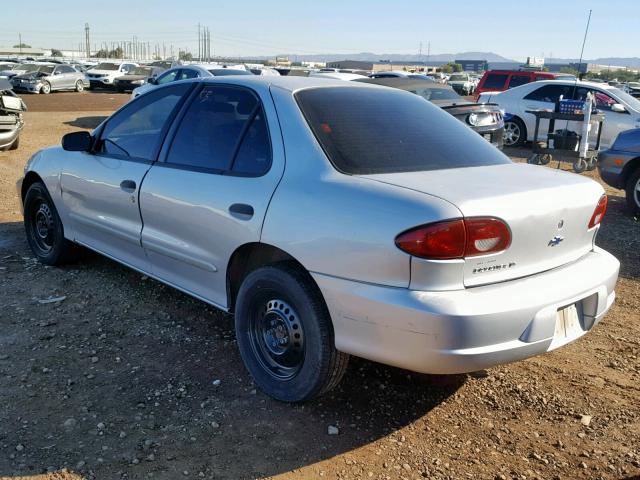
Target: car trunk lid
[547, 211]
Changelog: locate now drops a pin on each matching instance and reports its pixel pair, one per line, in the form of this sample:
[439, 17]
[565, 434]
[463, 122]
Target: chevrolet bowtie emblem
[555, 241]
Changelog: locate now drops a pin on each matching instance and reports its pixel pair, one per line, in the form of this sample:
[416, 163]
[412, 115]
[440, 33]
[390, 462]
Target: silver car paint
[341, 228]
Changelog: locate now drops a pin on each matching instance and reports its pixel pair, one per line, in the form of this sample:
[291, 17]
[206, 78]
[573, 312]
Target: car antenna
[584, 41]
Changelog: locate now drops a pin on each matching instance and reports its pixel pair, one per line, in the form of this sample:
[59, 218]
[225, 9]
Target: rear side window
[385, 130]
[136, 131]
[517, 80]
[550, 93]
[495, 80]
[223, 124]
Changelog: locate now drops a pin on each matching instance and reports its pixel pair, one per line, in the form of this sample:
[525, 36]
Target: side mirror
[56, 72]
[152, 81]
[77, 142]
[618, 108]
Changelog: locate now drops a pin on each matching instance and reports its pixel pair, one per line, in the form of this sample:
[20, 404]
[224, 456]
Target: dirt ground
[115, 379]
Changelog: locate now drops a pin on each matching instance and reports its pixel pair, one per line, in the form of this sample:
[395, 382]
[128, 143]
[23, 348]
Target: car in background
[501, 80]
[20, 68]
[620, 167]
[49, 78]
[332, 219]
[463, 83]
[11, 120]
[621, 110]
[266, 71]
[185, 72]
[104, 74]
[633, 89]
[337, 75]
[136, 78]
[485, 118]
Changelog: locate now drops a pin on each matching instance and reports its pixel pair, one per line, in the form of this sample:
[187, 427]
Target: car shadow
[104, 370]
[87, 122]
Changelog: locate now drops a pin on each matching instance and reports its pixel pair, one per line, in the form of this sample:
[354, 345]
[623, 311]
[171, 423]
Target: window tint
[367, 131]
[254, 154]
[135, 131]
[187, 73]
[211, 128]
[517, 80]
[495, 80]
[550, 93]
[65, 69]
[168, 77]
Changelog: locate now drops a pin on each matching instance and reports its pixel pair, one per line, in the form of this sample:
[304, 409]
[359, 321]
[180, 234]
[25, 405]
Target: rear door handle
[128, 185]
[241, 211]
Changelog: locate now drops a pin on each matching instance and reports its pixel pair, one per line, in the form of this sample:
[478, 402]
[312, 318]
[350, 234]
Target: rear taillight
[599, 212]
[452, 239]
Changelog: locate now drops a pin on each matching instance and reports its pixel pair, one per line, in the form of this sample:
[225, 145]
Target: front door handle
[128, 185]
[241, 211]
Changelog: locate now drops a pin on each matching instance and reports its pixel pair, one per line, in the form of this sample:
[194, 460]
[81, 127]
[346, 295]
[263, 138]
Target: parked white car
[622, 111]
[463, 83]
[103, 74]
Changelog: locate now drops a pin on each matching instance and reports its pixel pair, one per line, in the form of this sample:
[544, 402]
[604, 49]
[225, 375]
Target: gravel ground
[108, 374]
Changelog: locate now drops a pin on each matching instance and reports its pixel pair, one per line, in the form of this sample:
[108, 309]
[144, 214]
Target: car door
[208, 194]
[542, 98]
[67, 77]
[56, 79]
[614, 123]
[100, 189]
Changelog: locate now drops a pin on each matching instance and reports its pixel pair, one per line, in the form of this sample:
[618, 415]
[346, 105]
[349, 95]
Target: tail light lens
[456, 239]
[599, 212]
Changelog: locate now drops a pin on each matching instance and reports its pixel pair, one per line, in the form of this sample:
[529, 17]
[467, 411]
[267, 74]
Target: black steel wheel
[285, 334]
[44, 230]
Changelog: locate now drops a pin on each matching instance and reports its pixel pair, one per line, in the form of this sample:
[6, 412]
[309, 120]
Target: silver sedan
[332, 219]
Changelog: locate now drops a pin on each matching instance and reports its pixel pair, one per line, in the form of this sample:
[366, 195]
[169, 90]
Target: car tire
[515, 132]
[46, 88]
[632, 191]
[79, 86]
[44, 229]
[285, 334]
[15, 144]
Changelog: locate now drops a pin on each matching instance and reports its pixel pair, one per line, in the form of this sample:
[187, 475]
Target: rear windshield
[495, 80]
[385, 130]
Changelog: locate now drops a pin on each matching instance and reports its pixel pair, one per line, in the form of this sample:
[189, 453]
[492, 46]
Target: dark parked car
[620, 166]
[484, 118]
[11, 108]
[136, 78]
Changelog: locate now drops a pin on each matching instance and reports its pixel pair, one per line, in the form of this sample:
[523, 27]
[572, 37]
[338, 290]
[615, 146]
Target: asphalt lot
[115, 379]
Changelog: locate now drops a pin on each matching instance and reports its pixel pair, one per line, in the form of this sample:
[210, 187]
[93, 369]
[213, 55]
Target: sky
[252, 27]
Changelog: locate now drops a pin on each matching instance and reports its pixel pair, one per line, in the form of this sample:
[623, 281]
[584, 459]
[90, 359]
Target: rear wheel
[79, 86]
[285, 334]
[46, 88]
[515, 132]
[633, 193]
[45, 233]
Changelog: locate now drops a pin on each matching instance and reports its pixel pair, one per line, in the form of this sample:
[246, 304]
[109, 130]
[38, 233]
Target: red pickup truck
[500, 80]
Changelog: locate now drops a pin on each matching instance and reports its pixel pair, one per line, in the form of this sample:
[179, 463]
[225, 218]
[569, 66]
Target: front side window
[168, 77]
[210, 133]
[135, 132]
[495, 80]
[368, 131]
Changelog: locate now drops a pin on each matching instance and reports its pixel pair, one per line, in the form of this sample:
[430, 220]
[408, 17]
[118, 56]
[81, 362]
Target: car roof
[291, 84]
[579, 83]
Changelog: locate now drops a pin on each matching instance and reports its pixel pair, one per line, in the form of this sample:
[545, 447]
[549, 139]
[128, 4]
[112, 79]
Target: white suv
[103, 74]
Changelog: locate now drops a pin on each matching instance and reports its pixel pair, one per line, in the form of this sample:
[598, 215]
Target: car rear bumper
[467, 330]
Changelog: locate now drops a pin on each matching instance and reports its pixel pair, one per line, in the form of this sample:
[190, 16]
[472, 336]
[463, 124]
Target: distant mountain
[395, 57]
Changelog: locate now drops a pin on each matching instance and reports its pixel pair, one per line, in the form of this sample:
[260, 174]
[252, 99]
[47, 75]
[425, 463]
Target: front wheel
[515, 132]
[46, 88]
[285, 334]
[79, 86]
[633, 193]
[45, 233]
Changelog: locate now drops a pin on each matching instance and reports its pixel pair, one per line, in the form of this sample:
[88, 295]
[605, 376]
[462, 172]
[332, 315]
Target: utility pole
[20, 42]
[87, 40]
[199, 44]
